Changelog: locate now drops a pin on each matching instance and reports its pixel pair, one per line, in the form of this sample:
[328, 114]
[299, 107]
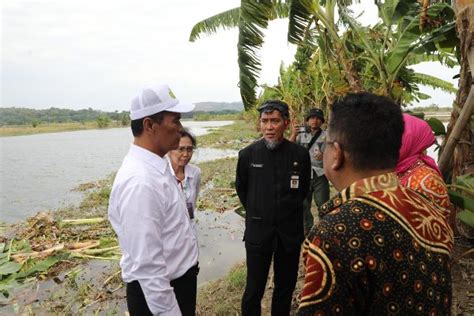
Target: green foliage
[251, 18]
[24, 116]
[437, 126]
[466, 217]
[12, 274]
[9, 267]
[227, 115]
[330, 62]
[235, 136]
[225, 20]
[230, 291]
[461, 193]
[124, 119]
[103, 121]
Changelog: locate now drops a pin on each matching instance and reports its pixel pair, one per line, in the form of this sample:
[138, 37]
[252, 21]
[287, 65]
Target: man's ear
[147, 124]
[338, 159]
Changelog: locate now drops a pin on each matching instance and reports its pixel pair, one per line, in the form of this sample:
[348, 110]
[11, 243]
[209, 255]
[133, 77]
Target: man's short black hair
[369, 128]
[137, 125]
[274, 105]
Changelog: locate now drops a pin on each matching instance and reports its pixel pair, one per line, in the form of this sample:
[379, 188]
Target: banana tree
[458, 150]
[305, 14]
[393, 44]
[251, 18]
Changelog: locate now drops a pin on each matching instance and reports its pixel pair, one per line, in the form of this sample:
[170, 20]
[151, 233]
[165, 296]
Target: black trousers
[185, 289]
[285, 269]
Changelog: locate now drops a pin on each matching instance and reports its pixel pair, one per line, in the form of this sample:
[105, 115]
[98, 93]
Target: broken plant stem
[82, 221]
[110, 278]
[9, 249]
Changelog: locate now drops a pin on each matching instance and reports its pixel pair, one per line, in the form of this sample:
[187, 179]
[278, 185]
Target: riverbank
[42, 128]
[21, 130]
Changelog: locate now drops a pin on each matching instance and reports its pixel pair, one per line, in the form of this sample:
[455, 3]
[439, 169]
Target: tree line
[25, 116]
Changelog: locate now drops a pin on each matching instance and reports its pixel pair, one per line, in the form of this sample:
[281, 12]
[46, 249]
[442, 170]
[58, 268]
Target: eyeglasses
[188, 149]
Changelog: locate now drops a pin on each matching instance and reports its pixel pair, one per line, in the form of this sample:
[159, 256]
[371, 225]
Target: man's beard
[272, 144]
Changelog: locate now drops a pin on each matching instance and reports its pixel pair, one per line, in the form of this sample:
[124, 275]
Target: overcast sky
[79, 54]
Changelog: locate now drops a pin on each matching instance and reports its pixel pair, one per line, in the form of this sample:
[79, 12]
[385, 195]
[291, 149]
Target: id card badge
[190, 210]
[295, 182]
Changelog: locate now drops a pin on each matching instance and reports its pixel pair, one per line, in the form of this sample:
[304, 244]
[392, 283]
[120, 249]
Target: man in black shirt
[272, 181]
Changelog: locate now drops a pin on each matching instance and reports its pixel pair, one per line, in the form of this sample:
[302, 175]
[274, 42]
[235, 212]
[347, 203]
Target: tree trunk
[351, 74]
[460, 152]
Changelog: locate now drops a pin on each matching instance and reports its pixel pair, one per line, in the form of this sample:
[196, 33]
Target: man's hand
[318, 154]
[294, 131]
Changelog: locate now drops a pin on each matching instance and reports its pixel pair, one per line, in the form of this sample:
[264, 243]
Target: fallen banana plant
[43, 243]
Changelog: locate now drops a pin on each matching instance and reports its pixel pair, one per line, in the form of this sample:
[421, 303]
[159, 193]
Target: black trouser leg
[185, 289]
[136, 302]
[285, 267]
[258, 266]
[320, 187]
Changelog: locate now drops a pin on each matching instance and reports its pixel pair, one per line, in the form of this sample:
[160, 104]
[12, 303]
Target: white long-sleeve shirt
[149, 215]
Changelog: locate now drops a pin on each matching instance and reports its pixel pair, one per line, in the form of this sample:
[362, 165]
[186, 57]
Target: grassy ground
[235, 136]
[222, 297]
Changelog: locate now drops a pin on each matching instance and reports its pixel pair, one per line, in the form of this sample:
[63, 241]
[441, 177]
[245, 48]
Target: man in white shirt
[148, 212]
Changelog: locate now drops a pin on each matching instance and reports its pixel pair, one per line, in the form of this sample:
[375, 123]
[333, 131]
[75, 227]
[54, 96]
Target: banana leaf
[437, 126]
[9, 267]
[461, 201]
[467, 217]
[466, 181]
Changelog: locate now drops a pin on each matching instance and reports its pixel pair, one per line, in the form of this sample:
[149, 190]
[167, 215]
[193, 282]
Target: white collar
[149, 157]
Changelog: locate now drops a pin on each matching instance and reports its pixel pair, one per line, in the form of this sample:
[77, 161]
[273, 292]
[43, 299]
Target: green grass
[235, 136]
[222, 297]
[219, 117]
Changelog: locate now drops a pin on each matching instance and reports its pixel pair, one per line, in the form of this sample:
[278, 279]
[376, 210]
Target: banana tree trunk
[351, 74]
[457, 145]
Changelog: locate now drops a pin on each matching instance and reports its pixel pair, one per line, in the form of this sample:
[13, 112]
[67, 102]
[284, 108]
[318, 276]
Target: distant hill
[218, 106]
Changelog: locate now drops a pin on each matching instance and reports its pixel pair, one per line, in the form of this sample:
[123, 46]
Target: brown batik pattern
[379, 249]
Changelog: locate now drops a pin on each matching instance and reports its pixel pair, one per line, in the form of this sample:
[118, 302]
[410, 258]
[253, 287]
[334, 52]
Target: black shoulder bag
[315, 137]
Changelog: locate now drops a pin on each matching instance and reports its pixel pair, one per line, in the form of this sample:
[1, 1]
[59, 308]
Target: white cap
[156, 99]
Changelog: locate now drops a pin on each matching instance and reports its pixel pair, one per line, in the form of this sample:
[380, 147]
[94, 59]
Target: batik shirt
[379, 249]
[424, 179]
